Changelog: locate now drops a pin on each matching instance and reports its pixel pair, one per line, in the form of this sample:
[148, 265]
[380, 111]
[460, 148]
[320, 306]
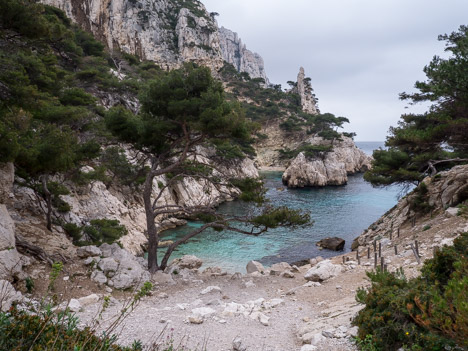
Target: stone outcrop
[445, 190]
[304, 89]
[235, 52]
[331, 169]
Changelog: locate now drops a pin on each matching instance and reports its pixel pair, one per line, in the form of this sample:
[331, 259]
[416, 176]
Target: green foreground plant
[425, 313]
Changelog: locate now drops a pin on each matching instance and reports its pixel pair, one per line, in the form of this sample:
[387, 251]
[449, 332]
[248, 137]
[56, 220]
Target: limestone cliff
[332, 168]
[235, 52]
[168, 32]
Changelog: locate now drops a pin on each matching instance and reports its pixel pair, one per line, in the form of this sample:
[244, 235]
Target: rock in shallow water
[335, 244]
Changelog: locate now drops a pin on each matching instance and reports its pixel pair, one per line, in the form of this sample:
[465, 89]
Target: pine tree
[424, 144]
[181, 112]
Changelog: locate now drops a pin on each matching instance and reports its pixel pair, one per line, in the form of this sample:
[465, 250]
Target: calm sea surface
[343, 211]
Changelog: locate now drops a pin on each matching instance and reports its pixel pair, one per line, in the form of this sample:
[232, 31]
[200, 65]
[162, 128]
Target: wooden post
[396, 250]
[415, 254]
[413, 221]
[380, 249]
[359, 260]
[398, 234]
[375, 245]
[375, 260]
[357, 254]
[416, 246]
[368, 252]
[385, 267]
[343, 259]
[382, 262]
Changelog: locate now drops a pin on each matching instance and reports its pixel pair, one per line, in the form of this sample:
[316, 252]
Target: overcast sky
[360, 54]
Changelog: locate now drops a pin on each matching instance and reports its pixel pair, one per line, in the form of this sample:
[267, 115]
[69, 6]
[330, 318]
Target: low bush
[99, 231]
[425, 313]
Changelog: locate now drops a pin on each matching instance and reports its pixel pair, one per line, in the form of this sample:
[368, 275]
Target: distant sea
[343, 211]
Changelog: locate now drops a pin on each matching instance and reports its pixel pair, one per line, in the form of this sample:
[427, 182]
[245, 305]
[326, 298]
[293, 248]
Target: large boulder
[254, 266]
[119, 268]
[279, 268]
[185, 262]
[322, 271]
[335, 244]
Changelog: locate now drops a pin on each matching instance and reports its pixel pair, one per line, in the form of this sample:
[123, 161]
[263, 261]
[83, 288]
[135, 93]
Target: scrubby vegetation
[98, 231]
[265, 104]
[426, 313]
[44, 327]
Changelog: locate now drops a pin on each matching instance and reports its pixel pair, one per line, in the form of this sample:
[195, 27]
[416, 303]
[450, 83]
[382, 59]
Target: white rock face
[322, 271]
[163, 31]
[304, 90]
[332, 169]
[236, 53]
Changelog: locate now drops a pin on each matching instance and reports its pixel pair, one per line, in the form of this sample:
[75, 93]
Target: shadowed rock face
[235, 52]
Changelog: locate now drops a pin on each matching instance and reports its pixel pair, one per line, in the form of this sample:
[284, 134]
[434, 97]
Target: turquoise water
[343, 211]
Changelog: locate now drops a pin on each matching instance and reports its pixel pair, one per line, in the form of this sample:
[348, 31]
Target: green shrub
[104, 231]
[20, 331]
[426, 313]
[73, 230]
